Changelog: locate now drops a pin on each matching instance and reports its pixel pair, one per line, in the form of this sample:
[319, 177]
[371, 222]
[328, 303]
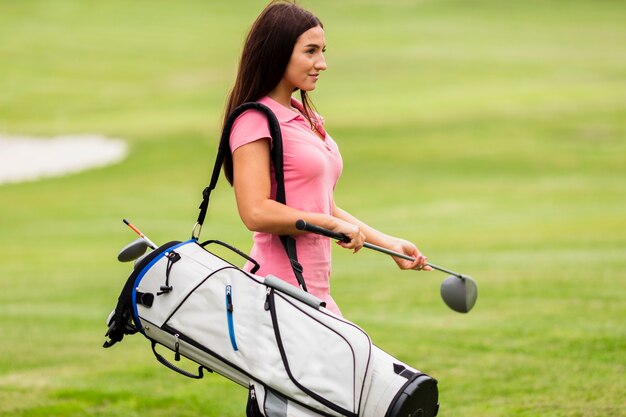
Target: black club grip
[302, 225]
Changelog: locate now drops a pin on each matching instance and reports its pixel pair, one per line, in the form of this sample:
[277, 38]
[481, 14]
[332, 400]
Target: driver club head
[133, 250]
[459, 293]
[138, 260]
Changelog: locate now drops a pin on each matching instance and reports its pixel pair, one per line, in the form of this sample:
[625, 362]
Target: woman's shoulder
[250, 126]
[255, 116]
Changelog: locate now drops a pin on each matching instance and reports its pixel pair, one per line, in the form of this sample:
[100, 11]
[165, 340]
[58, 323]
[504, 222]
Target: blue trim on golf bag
[140, 276]
[229, 317]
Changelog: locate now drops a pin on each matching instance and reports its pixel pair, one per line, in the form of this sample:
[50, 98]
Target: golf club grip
[144, 237]
[302, 225]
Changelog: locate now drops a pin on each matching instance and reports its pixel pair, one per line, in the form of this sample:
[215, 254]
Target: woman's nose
[321, 63]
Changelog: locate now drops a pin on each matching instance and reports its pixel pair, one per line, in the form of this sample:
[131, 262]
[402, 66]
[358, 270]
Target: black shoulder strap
[276, 154]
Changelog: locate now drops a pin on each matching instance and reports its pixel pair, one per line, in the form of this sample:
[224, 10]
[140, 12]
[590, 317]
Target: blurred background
[491, 133]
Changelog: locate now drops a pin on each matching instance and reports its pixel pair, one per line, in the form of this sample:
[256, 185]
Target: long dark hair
[265, 56]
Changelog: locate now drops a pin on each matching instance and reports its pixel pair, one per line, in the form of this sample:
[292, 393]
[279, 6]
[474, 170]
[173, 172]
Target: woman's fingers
[359, 241]
[356, 241]
[353, 232]
[420, 262]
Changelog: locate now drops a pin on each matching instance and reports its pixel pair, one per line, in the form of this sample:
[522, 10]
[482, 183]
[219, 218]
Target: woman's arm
[260, 213]
[390, 242]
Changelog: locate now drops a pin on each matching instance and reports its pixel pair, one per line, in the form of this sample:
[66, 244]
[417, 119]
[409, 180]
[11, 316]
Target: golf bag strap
[276, 155]
[289, 243]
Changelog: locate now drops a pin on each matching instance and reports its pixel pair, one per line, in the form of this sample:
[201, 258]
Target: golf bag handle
[237, 251]
[175, 368]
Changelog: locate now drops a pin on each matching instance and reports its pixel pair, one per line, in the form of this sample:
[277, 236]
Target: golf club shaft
[302, 225]
[148, 241]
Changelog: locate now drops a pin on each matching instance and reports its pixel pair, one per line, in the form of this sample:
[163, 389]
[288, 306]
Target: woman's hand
[408, 248]
[352, 231]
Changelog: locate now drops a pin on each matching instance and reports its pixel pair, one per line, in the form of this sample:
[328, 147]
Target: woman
[284, 52]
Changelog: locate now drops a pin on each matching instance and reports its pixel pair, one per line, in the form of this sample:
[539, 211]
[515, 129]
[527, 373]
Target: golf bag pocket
[324, 356]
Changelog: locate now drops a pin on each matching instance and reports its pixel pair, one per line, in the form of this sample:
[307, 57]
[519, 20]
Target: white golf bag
[296, 357]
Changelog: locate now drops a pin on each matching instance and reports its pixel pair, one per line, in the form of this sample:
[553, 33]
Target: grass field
[491, 133]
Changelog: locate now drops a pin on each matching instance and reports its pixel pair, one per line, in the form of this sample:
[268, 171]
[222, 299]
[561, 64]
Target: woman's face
[307, 60]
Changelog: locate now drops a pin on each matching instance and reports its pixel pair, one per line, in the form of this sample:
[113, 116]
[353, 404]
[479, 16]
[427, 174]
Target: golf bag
[295, 357]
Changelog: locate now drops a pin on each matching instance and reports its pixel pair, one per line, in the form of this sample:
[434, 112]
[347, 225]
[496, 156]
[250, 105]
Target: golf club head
[133, 250]
[138, 260]
[459, 293]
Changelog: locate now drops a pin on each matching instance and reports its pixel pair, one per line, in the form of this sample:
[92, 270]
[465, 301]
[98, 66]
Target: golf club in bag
[295, 357]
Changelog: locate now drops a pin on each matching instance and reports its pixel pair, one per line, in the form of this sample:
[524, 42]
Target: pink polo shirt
[312, 167]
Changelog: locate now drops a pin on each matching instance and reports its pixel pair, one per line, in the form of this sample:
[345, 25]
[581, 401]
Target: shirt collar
[283, 114]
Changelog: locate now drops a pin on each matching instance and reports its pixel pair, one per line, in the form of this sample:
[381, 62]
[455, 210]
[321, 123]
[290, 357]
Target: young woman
[283, 53]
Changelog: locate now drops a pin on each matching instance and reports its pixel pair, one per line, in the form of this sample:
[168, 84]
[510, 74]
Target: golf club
[133, 250]
[148, 241]
[458, 291]
[138, 260]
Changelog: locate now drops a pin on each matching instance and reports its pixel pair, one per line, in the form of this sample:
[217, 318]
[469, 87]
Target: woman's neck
[282, 96]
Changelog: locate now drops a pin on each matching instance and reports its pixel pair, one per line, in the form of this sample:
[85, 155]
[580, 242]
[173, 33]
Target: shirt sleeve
[251, 126]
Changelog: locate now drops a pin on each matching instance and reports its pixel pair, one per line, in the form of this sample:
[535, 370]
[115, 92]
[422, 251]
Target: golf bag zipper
[176, 348]
[252, 408]
[267, 299]
[229, 317]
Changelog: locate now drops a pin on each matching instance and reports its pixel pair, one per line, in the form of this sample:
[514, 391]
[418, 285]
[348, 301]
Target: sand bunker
[25, 158]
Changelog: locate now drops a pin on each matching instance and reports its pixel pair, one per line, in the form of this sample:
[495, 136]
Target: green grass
[492, 133]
